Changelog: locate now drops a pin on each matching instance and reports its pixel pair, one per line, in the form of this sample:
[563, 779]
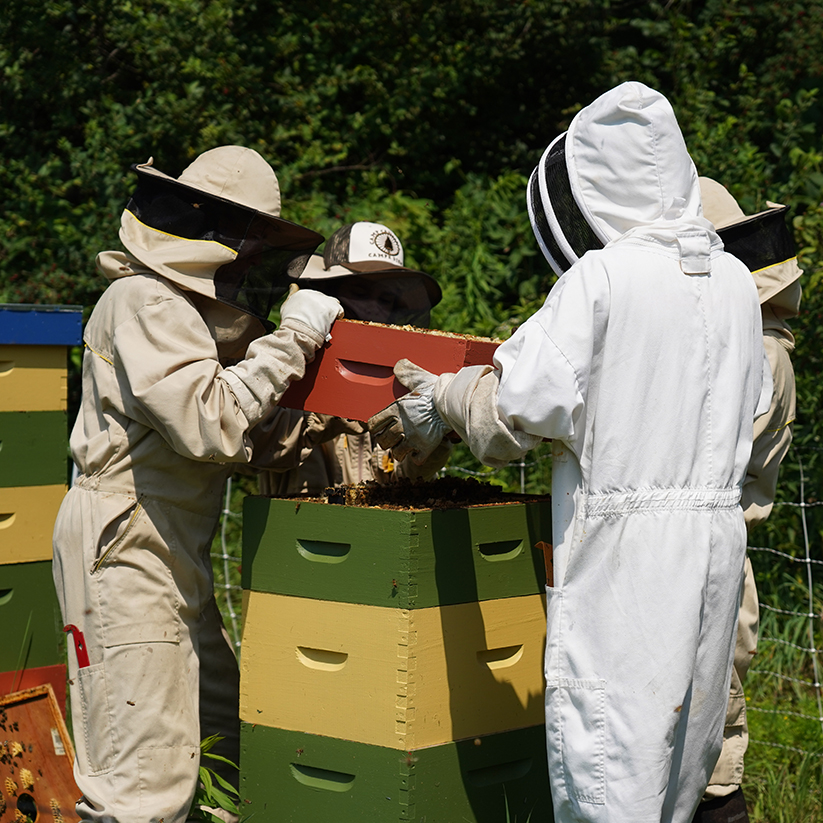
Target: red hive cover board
[29, 678]
[352, 375]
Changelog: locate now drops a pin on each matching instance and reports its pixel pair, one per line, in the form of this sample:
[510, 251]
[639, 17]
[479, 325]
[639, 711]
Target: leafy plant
[213, 791]
[512, 818]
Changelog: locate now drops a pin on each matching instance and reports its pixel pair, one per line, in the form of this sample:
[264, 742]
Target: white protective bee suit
[161, 425]
[644, 368]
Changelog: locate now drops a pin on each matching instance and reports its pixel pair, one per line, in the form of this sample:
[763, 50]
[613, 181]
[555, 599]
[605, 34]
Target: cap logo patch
[386, 243]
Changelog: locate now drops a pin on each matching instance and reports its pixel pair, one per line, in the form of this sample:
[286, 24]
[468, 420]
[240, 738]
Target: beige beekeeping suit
[346, 459]
[160, 427]
[779, 291]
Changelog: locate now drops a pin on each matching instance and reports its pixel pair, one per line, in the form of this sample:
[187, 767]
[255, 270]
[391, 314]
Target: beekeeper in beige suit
[160, 426]
[363, 266]
[766, 246]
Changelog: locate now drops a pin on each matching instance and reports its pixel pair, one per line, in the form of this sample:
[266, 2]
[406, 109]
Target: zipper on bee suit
[100, 560]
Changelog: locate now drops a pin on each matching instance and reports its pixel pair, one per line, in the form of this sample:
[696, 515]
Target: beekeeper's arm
[772, 435]
[165, 360]
[284, 440]
[534, 391]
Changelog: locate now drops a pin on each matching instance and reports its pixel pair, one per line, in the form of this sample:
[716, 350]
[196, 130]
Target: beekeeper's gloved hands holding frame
[316, 310]
[411, 425]
[461, 405]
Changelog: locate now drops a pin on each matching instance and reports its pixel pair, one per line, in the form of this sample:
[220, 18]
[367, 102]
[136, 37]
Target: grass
[783, 780]
[213, 791]
[782, 786]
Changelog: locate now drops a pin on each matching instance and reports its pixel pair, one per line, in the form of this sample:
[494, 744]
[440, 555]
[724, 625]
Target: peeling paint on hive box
[400, 558]
[352, 375]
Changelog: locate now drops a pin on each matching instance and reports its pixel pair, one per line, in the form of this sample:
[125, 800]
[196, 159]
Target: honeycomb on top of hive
[439, 493]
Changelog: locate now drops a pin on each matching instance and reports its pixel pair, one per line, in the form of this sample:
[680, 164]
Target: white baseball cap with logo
[363, 248]
[373, 251]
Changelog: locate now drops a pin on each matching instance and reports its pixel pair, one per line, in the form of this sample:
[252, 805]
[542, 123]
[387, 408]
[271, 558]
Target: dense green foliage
[428, 117]
[425, 115]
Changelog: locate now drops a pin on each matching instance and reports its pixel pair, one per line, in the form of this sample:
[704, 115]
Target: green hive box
[33, 448]
[407, 558]
[30, 617]
[294, 777]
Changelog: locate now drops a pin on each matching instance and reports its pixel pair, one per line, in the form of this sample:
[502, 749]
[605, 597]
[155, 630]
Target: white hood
[622, 168]
[628, 164]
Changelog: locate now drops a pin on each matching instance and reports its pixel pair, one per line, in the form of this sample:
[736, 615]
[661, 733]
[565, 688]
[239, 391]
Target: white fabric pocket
[576, 720]
[95, 750]
[575, 716]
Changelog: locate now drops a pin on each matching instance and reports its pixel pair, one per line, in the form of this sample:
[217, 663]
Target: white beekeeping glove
[411, 425]
[314, 309]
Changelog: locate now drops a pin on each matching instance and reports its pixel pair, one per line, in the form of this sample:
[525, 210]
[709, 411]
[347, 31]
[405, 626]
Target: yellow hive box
[397, 678]
[27, 515]
[33, 378]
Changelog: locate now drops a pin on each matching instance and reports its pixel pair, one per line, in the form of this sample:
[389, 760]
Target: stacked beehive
[391, 663]
[33, 480]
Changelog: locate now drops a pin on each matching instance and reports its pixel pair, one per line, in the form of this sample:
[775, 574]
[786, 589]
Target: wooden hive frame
[36, 759]
[352, 375]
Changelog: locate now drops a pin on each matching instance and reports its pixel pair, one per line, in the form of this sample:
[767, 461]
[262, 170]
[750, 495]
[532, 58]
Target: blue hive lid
[28, 324]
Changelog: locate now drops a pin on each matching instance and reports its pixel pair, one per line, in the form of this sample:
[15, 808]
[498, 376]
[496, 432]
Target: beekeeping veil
[763, 241]
[623, 163]
[217, 231]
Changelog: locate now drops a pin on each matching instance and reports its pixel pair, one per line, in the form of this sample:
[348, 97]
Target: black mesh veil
[271, 252]
[336, 250]
[760, 241]
[400, 299]
[540, 225]
[558, 223]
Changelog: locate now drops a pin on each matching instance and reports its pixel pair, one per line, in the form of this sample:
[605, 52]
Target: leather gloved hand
[411, 425]
[320, 428]
[313, 308]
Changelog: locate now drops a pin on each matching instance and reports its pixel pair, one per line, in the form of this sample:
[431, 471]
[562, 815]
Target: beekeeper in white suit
[644, 367]
[161, 425]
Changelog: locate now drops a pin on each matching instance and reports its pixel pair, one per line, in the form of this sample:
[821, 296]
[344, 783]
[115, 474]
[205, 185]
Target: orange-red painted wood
[29, 678]
[352, 375]
[36, 758]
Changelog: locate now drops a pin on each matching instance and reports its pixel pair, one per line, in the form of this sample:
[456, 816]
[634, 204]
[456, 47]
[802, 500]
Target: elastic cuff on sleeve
[303, 328]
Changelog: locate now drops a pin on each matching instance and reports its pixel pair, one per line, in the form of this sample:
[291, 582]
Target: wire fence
[791, 635]
[785, 675]
[226, 565]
